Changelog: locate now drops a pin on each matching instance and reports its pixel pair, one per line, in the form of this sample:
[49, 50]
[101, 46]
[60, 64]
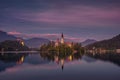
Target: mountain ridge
[87, 42]
[5, 36]
[36, 42]
[32, 42]
[112, 43]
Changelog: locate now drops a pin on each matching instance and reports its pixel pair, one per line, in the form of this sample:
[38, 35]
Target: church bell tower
[62, 39]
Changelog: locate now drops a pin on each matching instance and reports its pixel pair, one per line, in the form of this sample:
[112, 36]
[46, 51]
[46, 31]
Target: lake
[37, 66]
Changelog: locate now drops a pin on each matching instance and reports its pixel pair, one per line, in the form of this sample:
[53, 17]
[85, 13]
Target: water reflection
[12, 59]
[43, 66]
[61, 58]
[111, 57]
[8, 60]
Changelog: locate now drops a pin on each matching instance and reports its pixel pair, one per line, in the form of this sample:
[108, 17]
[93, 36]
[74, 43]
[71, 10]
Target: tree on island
[62, 47]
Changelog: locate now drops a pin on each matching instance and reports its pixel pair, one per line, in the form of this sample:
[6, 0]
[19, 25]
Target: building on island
[57, 42]
[62, 41]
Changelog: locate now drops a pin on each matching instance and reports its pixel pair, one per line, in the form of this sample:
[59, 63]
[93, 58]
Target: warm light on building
[69, 44]
[62, 41]
[22, 43]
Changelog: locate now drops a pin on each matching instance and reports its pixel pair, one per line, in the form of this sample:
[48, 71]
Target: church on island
[62, 41]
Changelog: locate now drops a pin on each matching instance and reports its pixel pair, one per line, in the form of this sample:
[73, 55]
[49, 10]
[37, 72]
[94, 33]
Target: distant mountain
[88, 41]
[33, 42]
[4, 36]
[36, 42]
[113, 43]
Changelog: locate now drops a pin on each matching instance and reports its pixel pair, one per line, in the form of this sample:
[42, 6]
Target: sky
[77, 19]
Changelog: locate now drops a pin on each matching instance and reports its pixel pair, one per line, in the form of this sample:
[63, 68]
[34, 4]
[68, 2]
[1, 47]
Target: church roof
[62, 35]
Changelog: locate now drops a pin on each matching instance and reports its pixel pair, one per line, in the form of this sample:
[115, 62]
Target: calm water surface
[36, 66]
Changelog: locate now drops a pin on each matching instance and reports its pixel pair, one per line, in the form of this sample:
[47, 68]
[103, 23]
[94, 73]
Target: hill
[36, 42]
[113, 43]
[10, 45]
[33, 42]
[87, 42]
[4, 36]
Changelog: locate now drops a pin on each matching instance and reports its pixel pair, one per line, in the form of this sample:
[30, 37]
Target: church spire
[62, 39]
[62, 36]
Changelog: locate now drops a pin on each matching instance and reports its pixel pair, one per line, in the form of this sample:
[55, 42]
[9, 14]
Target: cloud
[78, 18]
[75, 15]
[49, 36]
[14, 33]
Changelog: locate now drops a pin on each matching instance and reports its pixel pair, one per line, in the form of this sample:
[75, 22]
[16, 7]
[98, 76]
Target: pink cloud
[14, 33]
[74, 39]
[49, 36]
[75, 15]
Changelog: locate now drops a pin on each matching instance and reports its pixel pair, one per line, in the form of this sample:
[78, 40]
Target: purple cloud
[14, 33]
[50, 36]
[74, 15]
